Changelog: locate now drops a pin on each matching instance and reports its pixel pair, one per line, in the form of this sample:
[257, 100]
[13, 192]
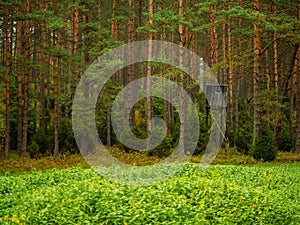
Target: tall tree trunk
[131, 68]
[115, 32]
[170, 107]
[55, 89]
[256, 75]
[87, 18]
[64, 70]
[267, 75]
[108, 124]
[75, 24]
[56, 107]
[148, 85]
[230, 77]
[213, 38]
[19, 81]
[42, 75]
[224, 71]
[238, 78]
[166, 115]
[7, 86]
[293, 74]
[182, 101]
[114, 24]
[99, 13]
[26, 82]
[276, 78]
[297, 147]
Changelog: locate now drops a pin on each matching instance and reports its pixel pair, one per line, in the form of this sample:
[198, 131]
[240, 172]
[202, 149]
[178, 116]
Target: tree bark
[238, 78]
[230, 77]
[256, 75]
[148, 85]
[267, 75]
[293, 74]
[42, 75]
[75, 25]
[7, 86]
[297, 147]
[131, 68]
[99, 13]
[166, 115]
[55, 90]
[276, 78]
[87, 18]
[213, 38]
[224, 71]
[56, 106]
[26, 82]
[108, 124]
[19, 81]
[115, 33]
[182, 100]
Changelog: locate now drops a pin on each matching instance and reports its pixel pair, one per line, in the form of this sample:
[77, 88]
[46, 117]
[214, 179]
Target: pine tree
[7, 78]
[27, 57]
[256, 75]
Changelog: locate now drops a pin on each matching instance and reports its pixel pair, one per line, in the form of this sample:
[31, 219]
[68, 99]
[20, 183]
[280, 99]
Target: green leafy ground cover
[222, 194]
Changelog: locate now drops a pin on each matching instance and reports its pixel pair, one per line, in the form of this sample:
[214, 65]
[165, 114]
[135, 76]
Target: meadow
[221, 194]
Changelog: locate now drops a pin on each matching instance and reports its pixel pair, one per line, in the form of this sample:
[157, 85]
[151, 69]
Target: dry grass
[232, 157]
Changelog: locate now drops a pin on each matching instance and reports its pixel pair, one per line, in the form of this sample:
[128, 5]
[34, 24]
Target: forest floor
[232, 157]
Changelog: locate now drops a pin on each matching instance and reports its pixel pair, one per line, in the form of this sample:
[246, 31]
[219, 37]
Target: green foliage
[286, 141]
[33, 150]
[264, 148]
[202, 143]
[66, 137]
[218, 195]
[43, 140]
[243, 138]
[165, 148]
[230, 135]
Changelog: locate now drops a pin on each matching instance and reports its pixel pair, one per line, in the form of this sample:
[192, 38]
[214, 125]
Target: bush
[33, 150]
[43, 141]
[164, 149]
[67, 143]
[243, 138]
[202, 143]
[264, 148]
[286, 141]
[230, 135]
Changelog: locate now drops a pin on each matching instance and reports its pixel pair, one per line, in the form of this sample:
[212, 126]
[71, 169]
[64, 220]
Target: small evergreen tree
[243, 137]
[264, 148]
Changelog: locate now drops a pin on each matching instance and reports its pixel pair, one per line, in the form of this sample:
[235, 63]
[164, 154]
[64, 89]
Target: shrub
[43, 141]
[202, 142]
[243, 138]
[67, 141]
[164, 149]
[33, 150]
[286, 141]
[230, 135]
[264, 148]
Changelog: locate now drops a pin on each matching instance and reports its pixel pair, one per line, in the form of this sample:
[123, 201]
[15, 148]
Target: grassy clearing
[222, 194]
